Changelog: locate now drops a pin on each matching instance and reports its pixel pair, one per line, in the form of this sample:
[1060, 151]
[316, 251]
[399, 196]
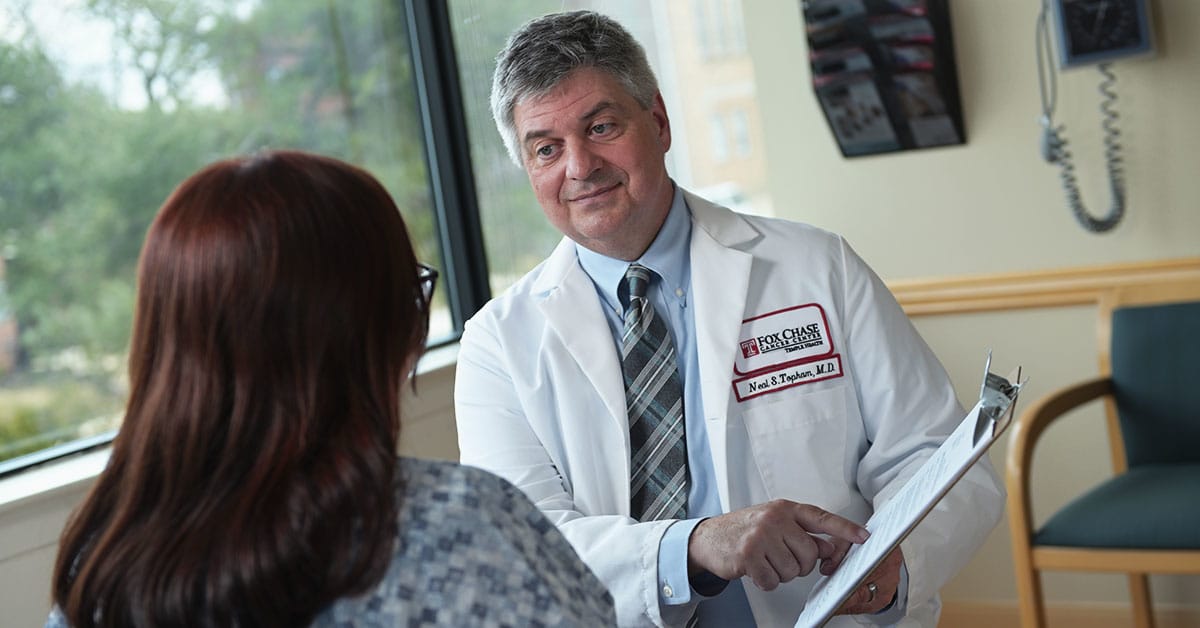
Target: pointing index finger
[816, 519]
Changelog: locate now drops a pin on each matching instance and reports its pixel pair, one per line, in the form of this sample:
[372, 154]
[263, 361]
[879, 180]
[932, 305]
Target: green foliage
[31, 103]
[84, 176]
[49, 413]
[82, 172]
[24, 433]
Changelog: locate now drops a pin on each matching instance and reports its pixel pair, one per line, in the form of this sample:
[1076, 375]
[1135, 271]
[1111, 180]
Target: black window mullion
[452, 180]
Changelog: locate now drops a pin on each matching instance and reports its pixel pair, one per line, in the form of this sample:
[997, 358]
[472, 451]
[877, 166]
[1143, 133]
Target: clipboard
[893, 522]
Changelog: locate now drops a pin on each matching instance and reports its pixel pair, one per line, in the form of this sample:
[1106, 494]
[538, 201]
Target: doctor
[704, 402]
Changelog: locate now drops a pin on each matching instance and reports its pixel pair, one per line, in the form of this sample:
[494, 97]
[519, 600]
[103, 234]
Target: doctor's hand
[885, 578]
[772, 542]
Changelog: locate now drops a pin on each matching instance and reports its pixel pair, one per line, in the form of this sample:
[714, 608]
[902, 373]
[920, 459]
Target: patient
[255, 481]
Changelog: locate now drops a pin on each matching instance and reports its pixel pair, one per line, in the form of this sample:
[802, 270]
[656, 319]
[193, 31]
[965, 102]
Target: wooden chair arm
[1028, 429]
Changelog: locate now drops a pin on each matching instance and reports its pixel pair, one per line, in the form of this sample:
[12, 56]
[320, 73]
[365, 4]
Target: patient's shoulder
[487, 516]
[470, 549]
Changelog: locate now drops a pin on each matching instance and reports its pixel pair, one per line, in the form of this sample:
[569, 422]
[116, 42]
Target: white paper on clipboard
[897, 518]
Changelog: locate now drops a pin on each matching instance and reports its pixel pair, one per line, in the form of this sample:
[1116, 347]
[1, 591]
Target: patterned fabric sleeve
[472, 550]
[553, 576]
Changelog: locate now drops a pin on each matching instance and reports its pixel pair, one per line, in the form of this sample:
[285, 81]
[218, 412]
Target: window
[702, 17]
[720, 141]
[740, 124]
[736, 30]
[719, 28]
[106, 105]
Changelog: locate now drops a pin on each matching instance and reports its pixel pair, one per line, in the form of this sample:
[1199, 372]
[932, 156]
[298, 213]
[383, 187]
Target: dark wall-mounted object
[1100, 31]
[884, 73]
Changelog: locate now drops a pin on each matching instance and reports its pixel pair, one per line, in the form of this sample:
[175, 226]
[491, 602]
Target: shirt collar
[667, 256]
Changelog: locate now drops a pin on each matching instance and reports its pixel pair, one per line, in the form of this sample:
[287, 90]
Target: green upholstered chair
[1146, 518]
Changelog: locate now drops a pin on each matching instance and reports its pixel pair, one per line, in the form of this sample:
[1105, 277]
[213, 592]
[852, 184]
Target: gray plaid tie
[654, 400]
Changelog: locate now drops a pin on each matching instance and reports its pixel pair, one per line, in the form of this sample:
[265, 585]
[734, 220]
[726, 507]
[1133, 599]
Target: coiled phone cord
[1054, 145]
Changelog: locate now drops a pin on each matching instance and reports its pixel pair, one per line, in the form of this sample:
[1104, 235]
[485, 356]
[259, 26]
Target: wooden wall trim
[1041, 288]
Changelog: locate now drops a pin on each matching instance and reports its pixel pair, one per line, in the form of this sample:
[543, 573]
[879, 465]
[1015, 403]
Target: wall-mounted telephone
[1089, 32]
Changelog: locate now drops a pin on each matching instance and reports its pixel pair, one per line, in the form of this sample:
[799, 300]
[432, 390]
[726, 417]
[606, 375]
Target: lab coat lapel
[573, 310]
[720, 283]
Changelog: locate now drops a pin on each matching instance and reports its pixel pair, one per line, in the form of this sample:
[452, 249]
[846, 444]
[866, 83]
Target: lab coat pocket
[799, 446]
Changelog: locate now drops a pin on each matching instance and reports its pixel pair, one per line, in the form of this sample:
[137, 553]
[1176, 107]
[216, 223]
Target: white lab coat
[540, 401]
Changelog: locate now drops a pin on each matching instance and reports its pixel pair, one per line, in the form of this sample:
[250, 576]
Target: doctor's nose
[582, 162]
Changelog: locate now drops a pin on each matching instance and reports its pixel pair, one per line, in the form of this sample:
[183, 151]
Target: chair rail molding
[1082, 285]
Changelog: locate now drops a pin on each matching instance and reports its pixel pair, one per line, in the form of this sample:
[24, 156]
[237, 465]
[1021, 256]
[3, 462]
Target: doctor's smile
[594, 194]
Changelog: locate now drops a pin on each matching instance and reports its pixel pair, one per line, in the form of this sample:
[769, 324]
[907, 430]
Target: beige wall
[992, 205]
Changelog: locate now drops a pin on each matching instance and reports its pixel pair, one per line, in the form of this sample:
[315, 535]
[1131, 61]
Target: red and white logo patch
[785, 337]
[784, 349]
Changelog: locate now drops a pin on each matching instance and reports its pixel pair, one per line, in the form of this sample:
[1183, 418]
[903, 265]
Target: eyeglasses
[426, 280]
[427, 277]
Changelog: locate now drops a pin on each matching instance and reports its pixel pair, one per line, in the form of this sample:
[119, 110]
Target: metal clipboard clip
[998, 397]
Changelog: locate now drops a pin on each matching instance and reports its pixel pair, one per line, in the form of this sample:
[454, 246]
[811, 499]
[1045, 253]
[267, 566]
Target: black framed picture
[884, 73]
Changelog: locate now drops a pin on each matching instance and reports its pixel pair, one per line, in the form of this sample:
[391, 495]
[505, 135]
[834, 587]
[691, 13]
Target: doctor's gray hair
[544, 52]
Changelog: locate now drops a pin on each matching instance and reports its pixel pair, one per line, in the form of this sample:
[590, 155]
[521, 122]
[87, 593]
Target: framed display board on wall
[884, 74]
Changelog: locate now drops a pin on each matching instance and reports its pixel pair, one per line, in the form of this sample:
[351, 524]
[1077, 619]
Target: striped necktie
[654, 400]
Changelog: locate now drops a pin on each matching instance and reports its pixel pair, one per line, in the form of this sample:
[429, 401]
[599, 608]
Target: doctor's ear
[659, 112]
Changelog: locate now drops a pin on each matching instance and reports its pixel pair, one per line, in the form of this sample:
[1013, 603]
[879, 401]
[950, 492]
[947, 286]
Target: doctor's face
[595, 159]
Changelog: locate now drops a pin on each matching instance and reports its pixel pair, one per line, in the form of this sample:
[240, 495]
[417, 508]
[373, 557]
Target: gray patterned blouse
[471, 550]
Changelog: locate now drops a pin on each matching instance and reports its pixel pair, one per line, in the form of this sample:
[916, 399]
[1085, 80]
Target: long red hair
[252, 481]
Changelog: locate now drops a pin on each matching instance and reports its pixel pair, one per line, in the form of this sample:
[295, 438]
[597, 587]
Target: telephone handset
[1089, 32]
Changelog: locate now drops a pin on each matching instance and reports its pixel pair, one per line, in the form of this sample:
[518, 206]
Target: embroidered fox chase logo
[783, 337]
[790, 340]
[783, 349]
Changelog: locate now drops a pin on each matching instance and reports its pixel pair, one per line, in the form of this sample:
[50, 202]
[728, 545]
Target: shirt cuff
[673, 587]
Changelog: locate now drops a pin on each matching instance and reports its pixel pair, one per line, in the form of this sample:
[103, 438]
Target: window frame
[448, 158]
